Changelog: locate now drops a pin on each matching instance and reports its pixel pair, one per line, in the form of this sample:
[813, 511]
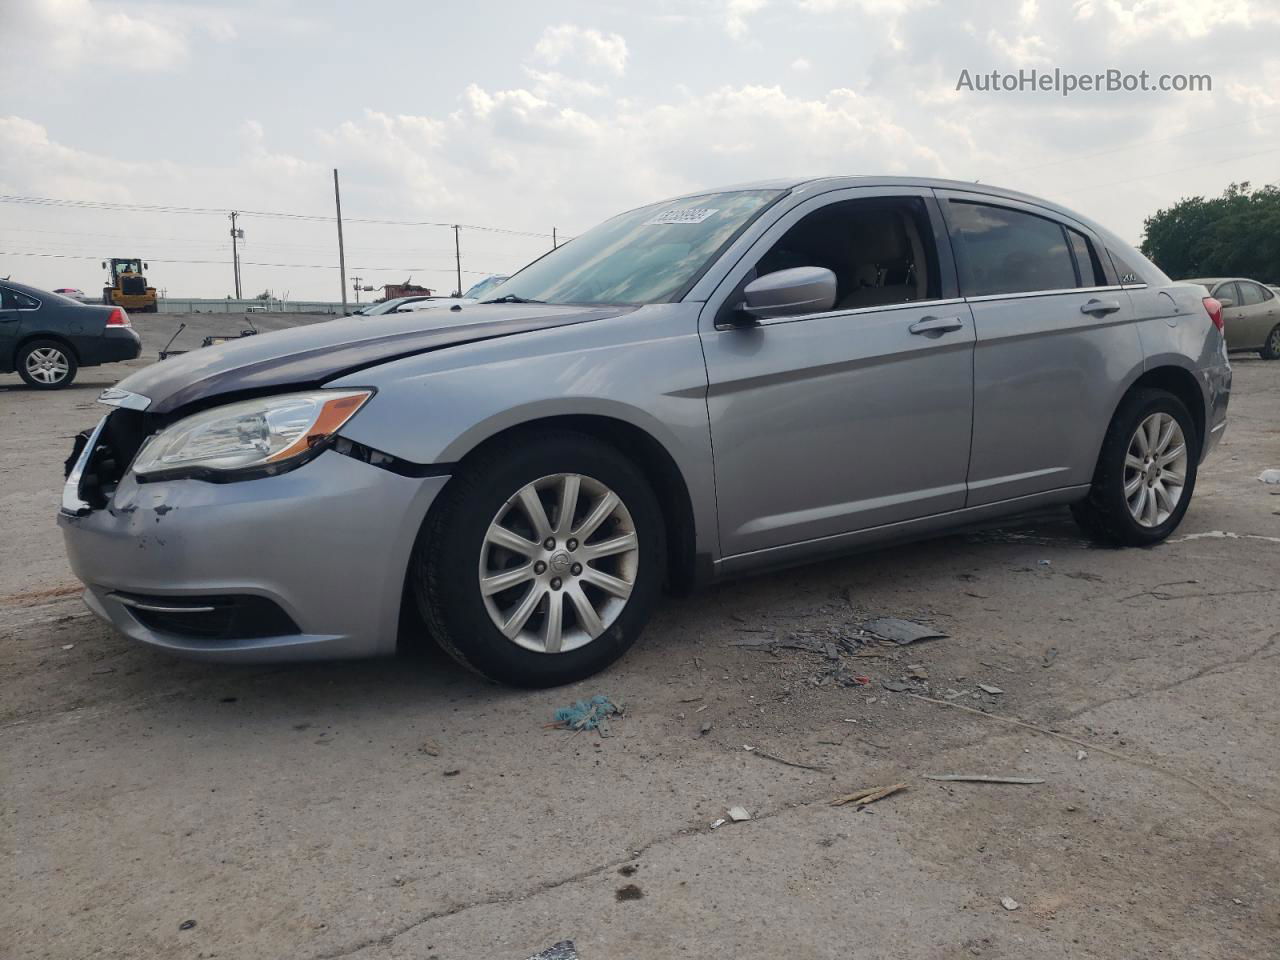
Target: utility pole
[554, 244]
[342, 256]
[457, 255]
[355, 285]
[235, 250]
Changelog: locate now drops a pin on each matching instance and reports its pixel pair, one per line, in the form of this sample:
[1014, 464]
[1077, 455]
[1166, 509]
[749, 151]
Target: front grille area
[133, 285]
[118, 444]
[215, 617]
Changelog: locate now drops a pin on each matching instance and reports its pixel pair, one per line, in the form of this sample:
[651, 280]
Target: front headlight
[251, 437]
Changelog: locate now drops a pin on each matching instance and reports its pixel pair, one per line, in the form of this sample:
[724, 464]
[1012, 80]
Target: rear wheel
[1146, 472]
[46, 364]
[1271, 349]
[542, 561]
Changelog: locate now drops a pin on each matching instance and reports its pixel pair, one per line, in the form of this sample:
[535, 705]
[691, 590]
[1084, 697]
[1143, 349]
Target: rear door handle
[1100, 306]
[936, 326]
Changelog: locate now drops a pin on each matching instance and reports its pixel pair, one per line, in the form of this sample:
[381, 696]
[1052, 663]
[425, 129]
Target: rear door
[9, 320]
[853, 417]
[1054, 338]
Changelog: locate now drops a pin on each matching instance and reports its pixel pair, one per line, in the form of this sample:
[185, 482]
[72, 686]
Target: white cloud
[570, 42]
[737, 13]
[64, 35]
[801, 65]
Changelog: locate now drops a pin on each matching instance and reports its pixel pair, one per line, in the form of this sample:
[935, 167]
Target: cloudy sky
[529, 116]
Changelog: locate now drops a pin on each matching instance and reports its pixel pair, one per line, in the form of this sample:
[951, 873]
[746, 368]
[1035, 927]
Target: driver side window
[880, 250]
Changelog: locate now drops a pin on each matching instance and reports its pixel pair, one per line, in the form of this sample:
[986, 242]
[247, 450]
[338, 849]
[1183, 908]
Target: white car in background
[475, 294]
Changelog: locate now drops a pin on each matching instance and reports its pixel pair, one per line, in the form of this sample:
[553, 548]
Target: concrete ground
[403, 809]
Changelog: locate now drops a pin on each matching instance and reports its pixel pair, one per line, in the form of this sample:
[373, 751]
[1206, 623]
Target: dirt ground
[152, 807]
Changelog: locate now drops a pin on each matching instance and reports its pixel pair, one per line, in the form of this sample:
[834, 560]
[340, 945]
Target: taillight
[119, 318]
[1214, 309]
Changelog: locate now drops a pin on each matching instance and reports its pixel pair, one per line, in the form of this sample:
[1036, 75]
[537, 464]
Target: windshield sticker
[686, 215]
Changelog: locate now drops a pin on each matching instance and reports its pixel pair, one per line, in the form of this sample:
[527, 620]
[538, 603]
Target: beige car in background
[1251, 313]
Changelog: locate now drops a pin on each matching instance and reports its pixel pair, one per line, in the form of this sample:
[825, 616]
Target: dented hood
[319, 352]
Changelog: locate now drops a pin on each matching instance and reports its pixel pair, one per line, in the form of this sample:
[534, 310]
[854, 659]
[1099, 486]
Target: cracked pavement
[291, 812]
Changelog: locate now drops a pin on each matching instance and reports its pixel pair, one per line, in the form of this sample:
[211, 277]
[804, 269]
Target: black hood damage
[320, 352]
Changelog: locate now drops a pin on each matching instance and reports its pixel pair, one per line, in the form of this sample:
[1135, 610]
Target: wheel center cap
[560, 562]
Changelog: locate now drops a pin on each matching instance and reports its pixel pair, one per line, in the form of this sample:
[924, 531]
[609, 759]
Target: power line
[276, 214]
[1161, 173]
[252, 263]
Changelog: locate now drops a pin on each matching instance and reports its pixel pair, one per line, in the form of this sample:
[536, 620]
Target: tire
[1271, 349]
[1107, 515]
[455, 549]
[46, 364]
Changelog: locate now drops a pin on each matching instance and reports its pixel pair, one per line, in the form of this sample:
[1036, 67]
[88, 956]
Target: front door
[850, 418]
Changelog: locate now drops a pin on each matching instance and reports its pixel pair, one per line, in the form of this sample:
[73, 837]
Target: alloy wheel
[47, 365]
[1155, 469]
[558, 563]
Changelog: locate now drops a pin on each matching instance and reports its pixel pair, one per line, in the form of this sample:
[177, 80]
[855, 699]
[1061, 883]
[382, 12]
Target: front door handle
[1100, 307]
[936, 326]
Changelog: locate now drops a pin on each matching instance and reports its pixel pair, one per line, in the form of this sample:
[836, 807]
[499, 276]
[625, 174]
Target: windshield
[127, 266]
[644, 256]
[483, 287]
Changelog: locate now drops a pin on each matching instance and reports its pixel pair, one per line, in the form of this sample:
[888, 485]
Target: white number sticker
[685, 215]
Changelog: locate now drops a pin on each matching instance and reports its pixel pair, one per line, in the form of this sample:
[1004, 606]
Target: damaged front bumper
[309, 564]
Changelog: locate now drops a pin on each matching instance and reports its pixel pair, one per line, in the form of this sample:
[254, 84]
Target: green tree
[1234, 235]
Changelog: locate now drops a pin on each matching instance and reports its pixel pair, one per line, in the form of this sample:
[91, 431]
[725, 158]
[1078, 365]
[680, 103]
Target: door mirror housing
[1226, 302]
[789, 293]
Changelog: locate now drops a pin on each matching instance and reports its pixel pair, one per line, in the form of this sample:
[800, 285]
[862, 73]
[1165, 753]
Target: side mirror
[1226, 302]
[790, 293]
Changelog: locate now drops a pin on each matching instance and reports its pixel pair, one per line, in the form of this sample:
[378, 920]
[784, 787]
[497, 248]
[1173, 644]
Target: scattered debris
[564, 950]
[1046, 563]
[916, 671]
[738, 814]
[990, 688]
[430, 748]
[187, 925]
[902, 631]
[590, 714]
[1009, 903]
[868, 795]
[629, 892]
[706, 728]
[1050, 655]
[790, 763]
[1082, 754]
[628, 870]
[104, 669]
[452, 773]
[718, 823]
[896, 686]
[980, 778]
[67, 646]
[1269, 476]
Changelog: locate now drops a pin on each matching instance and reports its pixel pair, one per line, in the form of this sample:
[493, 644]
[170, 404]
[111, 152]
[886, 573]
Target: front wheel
[542, 561]
[1146, 472]
[1271, 349]
[46, 364]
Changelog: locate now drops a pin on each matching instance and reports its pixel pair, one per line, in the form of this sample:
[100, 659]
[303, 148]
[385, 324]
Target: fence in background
[172, 305]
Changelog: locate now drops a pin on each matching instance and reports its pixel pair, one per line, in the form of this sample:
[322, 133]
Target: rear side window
[1227, 291]
[1088, 268]
[1124, 271]
[999, 250]
[23, 302]
[1250, 293]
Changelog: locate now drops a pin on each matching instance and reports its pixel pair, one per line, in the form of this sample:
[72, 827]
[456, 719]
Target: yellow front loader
[127, 287]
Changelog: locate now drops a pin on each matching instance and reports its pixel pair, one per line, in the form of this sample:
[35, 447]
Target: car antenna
[181, 327]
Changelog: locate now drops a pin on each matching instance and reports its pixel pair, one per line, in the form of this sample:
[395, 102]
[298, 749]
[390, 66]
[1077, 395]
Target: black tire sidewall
[449, 558]
[1109, 483]
[1271, 346]
[27, 348]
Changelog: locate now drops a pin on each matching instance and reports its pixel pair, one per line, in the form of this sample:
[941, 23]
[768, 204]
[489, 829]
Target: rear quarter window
[1000, 250]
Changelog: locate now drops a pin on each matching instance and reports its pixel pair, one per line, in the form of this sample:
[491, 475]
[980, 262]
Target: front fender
[645, 369]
